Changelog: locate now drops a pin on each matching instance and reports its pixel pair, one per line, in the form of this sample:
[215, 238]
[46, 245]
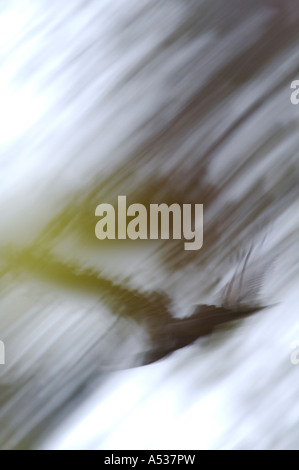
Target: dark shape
[168, 334]
[150, 311]
[179, 333]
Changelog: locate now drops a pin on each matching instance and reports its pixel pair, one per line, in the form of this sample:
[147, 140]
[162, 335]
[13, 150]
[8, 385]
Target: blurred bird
[108, 100]
[168, 334]
[152, 311]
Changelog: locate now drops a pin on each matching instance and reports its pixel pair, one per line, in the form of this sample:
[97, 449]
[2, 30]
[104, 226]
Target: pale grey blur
[161, 101]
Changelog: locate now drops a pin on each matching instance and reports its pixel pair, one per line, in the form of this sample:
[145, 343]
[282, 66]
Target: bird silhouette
[151, 311]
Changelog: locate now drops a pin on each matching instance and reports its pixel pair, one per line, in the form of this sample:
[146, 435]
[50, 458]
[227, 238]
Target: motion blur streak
[161, 101]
